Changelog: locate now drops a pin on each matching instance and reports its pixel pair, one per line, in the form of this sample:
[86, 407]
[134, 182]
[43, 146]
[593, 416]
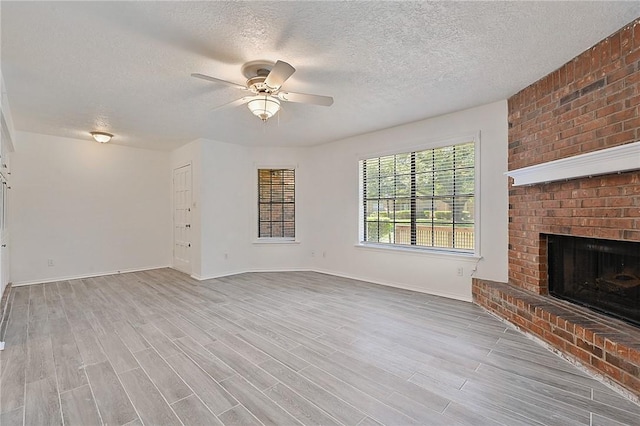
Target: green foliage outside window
[421, 198]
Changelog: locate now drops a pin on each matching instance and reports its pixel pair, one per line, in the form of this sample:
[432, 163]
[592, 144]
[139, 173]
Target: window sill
[260, 241]
[471, 257]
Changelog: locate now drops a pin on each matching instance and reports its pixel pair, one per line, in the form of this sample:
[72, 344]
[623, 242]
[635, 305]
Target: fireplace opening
[603, 275]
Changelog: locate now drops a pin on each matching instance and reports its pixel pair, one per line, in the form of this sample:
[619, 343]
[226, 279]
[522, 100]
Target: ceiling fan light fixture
[264, 106]
[264, 81]
[102, 137]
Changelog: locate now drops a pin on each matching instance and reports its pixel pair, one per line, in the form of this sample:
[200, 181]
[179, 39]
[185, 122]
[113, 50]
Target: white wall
[224, 213]
[225, 190]
[103, 208]
[224, 206]
[91, 208]
[334, 206]
[296, 256]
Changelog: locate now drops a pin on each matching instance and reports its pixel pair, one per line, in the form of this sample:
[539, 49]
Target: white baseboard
[244, 271]
[338, 274]
[95, 274]
[396, 285]
[211, 277]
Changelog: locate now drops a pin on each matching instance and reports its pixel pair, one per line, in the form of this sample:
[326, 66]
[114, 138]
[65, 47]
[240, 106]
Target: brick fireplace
[589, 104]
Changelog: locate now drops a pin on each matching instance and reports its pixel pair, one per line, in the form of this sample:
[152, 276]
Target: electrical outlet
[460, 271]
[50, 262]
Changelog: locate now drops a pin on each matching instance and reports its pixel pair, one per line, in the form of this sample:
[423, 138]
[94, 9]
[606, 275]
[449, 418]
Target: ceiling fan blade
[233, 104]
[217, 80]
[304, 98]
[280, 72]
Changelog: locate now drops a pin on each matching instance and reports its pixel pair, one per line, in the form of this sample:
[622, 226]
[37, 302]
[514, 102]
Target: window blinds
[276, 203]
[421, 198]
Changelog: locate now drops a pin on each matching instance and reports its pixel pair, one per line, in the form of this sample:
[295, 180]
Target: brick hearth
[588, 104]
[608, 347]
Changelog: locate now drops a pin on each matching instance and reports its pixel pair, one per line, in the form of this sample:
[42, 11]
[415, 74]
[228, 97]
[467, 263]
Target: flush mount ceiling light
[264, 107]
[101, 137]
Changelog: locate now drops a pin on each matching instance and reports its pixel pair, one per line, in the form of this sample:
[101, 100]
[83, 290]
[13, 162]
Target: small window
[421, 199]
[276, 203]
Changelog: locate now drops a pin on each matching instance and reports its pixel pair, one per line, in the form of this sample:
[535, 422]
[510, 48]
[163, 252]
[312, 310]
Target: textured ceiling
[124, 67]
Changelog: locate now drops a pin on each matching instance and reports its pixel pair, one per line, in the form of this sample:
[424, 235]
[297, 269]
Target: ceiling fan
[264, 81]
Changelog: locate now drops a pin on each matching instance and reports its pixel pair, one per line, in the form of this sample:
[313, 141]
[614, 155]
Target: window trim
[430, 144]
[256, 214]
[404, 250]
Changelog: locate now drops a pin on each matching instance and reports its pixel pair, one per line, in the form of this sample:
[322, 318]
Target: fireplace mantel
[617, 159]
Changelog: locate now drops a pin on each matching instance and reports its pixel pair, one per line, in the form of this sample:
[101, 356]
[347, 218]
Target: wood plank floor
[158, 348]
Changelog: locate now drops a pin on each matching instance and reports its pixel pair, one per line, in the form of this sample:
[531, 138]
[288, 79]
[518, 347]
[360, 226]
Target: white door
[4, 237]
[182, 219]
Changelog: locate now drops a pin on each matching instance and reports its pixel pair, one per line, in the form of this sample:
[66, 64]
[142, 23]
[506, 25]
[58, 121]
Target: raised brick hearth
[589, 104]
[608, 347]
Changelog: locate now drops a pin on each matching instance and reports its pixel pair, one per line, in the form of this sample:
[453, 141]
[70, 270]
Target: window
[276, 203]
[421, 199]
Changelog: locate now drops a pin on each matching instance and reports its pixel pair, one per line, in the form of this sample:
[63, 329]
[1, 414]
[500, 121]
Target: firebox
[603, 275]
